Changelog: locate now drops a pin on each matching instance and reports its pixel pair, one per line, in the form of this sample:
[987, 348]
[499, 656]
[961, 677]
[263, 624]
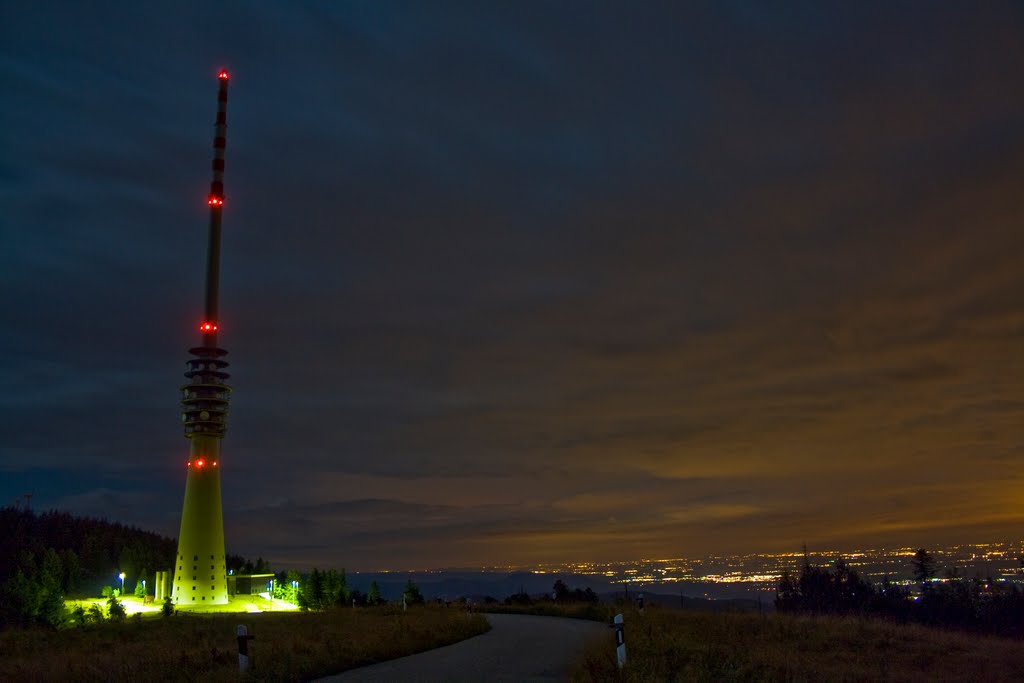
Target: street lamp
[121, 576]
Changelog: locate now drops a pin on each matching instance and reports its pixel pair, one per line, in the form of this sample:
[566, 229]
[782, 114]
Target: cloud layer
[509, 285]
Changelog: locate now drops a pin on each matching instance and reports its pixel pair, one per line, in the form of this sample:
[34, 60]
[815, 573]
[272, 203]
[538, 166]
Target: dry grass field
[674, 645]
[188, 647]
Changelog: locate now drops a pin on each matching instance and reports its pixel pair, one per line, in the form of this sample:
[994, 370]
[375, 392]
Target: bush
[520, 598]
[116, 609]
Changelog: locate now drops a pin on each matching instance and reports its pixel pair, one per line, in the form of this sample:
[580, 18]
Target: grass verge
[188, 647]
[674, 645]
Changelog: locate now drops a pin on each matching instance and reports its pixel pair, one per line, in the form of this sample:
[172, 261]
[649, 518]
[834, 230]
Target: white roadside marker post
[243, 648]
[620, 640]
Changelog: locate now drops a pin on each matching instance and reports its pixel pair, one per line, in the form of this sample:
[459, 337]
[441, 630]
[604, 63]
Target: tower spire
[215, 199]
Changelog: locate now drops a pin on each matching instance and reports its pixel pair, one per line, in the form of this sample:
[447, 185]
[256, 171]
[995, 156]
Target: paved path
[517, 648]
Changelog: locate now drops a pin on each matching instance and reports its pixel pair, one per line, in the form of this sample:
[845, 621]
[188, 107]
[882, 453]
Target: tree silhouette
[140, 585]
[924, 567]
[34, 595]
[373, 594]
[311, 591]
[412, 594]
[820, 591]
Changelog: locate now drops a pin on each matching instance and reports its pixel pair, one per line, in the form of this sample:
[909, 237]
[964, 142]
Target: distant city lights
[762, 572]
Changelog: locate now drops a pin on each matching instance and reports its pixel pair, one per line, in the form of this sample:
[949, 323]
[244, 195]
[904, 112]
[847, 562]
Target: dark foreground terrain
[675, 645]
[288, 647]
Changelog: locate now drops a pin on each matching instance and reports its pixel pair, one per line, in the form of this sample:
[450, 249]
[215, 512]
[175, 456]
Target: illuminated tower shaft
[200, 576]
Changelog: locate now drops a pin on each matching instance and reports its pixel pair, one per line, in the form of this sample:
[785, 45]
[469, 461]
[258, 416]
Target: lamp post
[121, 576]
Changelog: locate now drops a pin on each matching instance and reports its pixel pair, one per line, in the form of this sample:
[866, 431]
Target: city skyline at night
[524, 285]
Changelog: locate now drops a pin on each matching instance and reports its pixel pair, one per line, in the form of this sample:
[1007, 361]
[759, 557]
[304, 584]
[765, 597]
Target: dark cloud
[521, 283]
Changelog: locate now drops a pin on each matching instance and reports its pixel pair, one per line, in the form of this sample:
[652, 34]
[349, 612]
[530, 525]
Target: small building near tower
[249, 584]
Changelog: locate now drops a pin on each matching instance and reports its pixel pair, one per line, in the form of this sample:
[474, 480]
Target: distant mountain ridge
[479, 585]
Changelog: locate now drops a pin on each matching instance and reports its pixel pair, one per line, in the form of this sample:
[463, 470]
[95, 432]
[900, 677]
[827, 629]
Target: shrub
[116, 609]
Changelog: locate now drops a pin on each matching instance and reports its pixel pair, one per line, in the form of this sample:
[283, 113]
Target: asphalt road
[518, 648]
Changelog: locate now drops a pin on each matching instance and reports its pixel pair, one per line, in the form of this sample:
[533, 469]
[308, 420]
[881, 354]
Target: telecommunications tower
[200, 576]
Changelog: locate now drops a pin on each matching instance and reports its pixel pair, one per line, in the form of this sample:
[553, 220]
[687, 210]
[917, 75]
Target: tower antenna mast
[216, 201]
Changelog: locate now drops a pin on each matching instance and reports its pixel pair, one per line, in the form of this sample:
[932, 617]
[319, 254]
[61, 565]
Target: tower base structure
[200, 567]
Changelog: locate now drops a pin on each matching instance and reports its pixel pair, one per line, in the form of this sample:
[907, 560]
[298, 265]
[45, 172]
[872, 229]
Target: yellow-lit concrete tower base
[200, 573]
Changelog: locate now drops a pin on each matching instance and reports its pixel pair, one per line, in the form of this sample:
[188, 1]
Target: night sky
[523, 283]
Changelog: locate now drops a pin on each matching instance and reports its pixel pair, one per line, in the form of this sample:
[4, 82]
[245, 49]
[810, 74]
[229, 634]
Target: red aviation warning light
[223, 75]
[208, 327]
[214, 200]
[200, 463]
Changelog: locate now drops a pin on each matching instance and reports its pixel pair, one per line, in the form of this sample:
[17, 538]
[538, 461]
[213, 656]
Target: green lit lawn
[240, 604]
[243, 603]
